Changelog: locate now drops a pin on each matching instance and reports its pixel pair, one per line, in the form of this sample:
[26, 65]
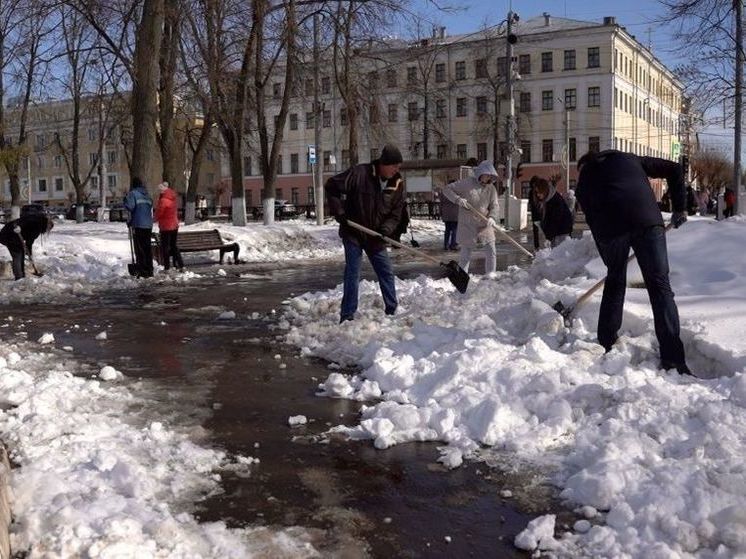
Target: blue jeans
[650, 248]
[381, 265]
[449, 240]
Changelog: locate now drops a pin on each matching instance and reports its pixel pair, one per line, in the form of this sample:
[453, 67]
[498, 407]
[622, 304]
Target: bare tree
[711, 168]
[171, 150]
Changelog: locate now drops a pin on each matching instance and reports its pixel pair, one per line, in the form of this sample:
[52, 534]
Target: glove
[678, 219]
[463, 202]
[491, 223]
[341, 219]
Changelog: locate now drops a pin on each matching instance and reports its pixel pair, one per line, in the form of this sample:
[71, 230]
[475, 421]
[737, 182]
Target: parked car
[33, 209]
[117, 212]
[90, 212]
[285, 210]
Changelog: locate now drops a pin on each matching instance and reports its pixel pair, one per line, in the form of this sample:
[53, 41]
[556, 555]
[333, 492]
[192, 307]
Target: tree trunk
[170, 151]
[144, 92]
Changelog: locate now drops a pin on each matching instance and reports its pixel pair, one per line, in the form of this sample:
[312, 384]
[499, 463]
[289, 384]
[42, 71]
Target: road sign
[675, 150]
[312, 154]
[24, 192]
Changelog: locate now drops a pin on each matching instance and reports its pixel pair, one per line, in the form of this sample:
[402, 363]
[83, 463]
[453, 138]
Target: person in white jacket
[479, 192]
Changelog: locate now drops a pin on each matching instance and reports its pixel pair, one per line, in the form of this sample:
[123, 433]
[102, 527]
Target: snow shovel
[412, 242]
[455, 273]
[567, 312]
[132, 267]
[499, 230]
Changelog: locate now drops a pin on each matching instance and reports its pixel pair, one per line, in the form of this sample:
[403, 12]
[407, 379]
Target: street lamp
[510, 40]
[566, 155]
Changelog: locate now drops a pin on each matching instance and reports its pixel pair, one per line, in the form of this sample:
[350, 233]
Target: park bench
[198, 241]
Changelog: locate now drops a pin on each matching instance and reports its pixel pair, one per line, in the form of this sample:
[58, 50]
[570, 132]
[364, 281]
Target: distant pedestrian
[479, 192]
[620, 208]
[703, 199]
[371, 195]
[730, 203]
[535, 208]
[556, 218]
[140, 205]
[166, 214]
[692, 203]
[19, 236]
[449, 215]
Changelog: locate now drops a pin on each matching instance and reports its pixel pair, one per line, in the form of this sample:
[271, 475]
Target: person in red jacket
[168, 225]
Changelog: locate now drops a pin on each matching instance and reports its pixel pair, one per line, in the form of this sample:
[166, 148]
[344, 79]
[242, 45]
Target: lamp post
[566, 161]
[510, 40]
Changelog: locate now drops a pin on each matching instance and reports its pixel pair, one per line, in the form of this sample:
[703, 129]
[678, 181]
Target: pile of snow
[97, 477]
[659, 455]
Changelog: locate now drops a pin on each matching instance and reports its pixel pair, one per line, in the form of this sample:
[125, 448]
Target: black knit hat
[390, 155]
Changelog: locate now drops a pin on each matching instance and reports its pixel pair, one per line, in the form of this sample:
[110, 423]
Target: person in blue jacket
[140, 205]
[622, 213]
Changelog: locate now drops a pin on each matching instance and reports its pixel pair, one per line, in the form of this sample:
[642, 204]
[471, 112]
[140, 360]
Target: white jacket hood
[485, 168]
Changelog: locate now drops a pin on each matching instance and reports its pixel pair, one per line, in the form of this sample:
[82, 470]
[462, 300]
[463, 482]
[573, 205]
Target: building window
[573, 149]
[278, 193]
[58, 161]
[92, 159]
[293, 121]
[526, 152]
[276, 90]
[546, 61]
[40, 161]
[440, 108]
[111, 157]
[594, 96]
[441, 151]
[326, 118]
[309, 87]
[480, 68]
[547, 100]
[502, 66]
[547, 151]
[393, 113]
[294, 196]
[594, 143]
[246, 166]
[461, 70]
[481, 151]
[328, 161]
[248, 199]
[92, 134]
[294, 163]
[524, 104]
[94, 183]
[373, 114]
[373, 80]
[309, 120]
[460, 151]
[481, 105]
[111, 181]
[461, 106]
[524, 64]
[594, 57]
[326, 85]
[278, 168]
[440, 73]
[412, 112]
[343, 116]
[210, 155]
[571, 99]
[569, 60]
[345, 158]
[42, 185]
[311, 195]
[390, 77]
[412, 75]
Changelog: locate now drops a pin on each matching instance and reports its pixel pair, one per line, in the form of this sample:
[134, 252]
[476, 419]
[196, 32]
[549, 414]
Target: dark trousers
[650, 249]
[143, 250]
[381, 265]
[18, 257]
[537, 234]
[169, 250]
[449, 240]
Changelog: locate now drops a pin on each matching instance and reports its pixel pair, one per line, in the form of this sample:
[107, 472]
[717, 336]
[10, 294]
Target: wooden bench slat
[196, 241]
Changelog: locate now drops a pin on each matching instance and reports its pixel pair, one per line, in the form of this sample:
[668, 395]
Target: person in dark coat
[371, 195]
[19, 236]
[730, 202]
[140, 205]
[556, 218]
[692, 203]
[621, 211]
[535, 207]
[449, 215]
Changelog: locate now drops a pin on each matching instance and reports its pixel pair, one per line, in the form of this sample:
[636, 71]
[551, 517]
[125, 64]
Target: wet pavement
[224, 375]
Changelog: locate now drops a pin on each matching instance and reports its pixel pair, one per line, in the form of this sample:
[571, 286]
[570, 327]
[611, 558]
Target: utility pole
[317, 168]
[510, 122]
[101, 216]
[567, 148]
[738, 4]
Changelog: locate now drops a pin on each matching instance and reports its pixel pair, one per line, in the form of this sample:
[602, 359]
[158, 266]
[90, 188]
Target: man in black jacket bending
[621, 211]
[372, 195]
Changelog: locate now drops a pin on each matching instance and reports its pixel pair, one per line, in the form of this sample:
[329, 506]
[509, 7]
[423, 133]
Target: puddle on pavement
[224, 375]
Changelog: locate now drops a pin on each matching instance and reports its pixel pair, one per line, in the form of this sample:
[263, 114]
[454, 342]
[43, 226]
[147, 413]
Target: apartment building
[443, 98]
[104, 131]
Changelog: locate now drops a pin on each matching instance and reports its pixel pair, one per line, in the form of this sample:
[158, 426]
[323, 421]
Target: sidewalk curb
[4, 504]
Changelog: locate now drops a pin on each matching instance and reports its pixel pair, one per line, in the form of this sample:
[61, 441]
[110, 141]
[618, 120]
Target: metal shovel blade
[414, 243]
[457, 276]
[566, 312]
[133, 269]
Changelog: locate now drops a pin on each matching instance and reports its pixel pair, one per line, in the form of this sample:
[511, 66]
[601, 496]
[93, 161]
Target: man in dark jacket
[140, 205]
[19, 236]
[372, 195]
[621, 211]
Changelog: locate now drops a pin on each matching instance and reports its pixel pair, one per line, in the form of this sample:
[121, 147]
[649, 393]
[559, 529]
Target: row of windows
[642, 109]
[58, 160]
[42, 141]
[58, 184]
[570, 101]
[480, 71]
[624, 144]
[642, 76]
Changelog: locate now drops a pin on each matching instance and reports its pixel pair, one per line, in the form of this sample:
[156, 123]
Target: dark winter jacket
[615, 194]
[557, 218]
[357, 195]
[140, 205]
[32, 226]
[448, 210]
